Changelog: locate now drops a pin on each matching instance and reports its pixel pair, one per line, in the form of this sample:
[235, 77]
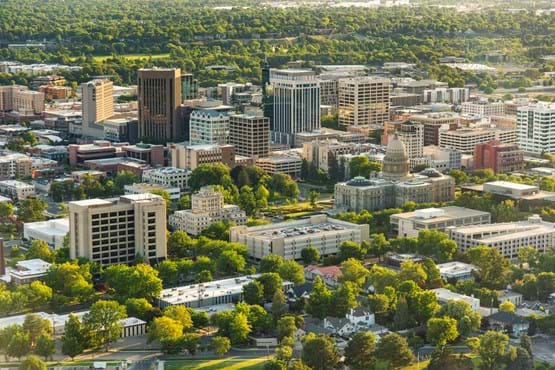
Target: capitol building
[395, 186]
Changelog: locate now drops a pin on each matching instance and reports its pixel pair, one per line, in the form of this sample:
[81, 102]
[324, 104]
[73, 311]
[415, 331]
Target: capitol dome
[396, 160]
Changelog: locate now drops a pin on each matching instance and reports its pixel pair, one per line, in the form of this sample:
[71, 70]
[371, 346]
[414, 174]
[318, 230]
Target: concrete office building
[97, 105]
[213, 293]
[408, 224]
[288, 239]
[111, 232]
[329, 91]
[455, 271]
[280, 163]
[501, 158]
[442, 159]
[250, 135]
[484, 108]
[508, 238]
[322, 152]
[15, 165]
[296, 103]
[17, 190]
[152, 154]
[466, 139]
[167, 176]
[21, 99]
[207, 207]
[122, 129]
[189, 157]
[535, 128]
[363, 101]
[52, 231]
[208, 127]
[454, 95]
[433, 122]
[159, 97]
[445, 295]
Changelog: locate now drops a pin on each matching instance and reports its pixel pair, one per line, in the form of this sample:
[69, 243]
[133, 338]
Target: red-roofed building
[329, 274]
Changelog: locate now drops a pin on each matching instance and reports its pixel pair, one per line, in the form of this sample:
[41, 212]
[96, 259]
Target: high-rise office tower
[363, 101]
[159, 97]
[267, 98]
[296, 103]
[97, 103]
[110, 232]
[189, 86]
[535, 128]
[208, 126]
[250, 135]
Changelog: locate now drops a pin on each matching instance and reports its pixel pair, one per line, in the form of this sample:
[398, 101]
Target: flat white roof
[91, 202]
[55, 227]
[218, 288]
[455, 268]
[511, 185]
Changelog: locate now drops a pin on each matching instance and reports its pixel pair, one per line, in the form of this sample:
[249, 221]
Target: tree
[139, 281]
[271, 263]
[507, 306]
[220, 345]
[468, 320]
[424, 305]
[313, 197]
[379, 245]
[279, 305]
[164, 327]
[381, 277]
[70, 280]
[319, 352]
[350, 249]
[271, 282]
[19, 345]
[520, 359]
[291, 271]
[310, 255]
[491, 347]
[545, 284]
[38, 294]
[184, 202]
[402, 318]
[445, 359]
[353, 271]
[73, 340]
[286, 327]
[103, 322]
[31, 210]
[394, 350]
[171, 345]
[181, 314]
[180, 244]
[253, 293]
[190, 342]
[441, 331]
[319, 299]
[46, 347]
[40, 249]
[492, 266]
[343, 299]
[526, 343]
[247, 200]
[529, 255]
[6, 210]
[138, 307]
[32, 363]
[204, 276]
[230, 262]
[359, 353]
[298, 365]
[35, 326]
[460, 176]
[239, 328]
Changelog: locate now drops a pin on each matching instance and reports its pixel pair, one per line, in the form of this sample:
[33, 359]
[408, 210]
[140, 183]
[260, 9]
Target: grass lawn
[228, 363]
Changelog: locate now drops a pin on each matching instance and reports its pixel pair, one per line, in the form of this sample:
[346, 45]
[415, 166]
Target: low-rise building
[445, 295]
[25, 272]
[513, 297]
[207, 207]
[99, 149]
[455, 271]
[154, 155]
[167, 176]
[509, 322]
[508, 238]
[442, 159]
[465, 139]
[189, 157]
[288, 239]
[52, 231]
[484, 108]
[501, 158]
[17, 190]
[510, 189]
[329, 274]
[287, 164]
[209, 294]
[408, 224]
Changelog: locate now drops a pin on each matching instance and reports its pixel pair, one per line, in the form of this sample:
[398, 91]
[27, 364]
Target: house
[509, 322]
[329, 274]
[513, 297]
[355, 320]
[298, 293]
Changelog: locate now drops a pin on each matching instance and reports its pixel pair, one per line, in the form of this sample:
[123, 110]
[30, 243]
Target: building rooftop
[54, 227]
[91, 202]
[455, 268]
[433, 215]
[15, 183]
[197, 292]
[512, 185]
